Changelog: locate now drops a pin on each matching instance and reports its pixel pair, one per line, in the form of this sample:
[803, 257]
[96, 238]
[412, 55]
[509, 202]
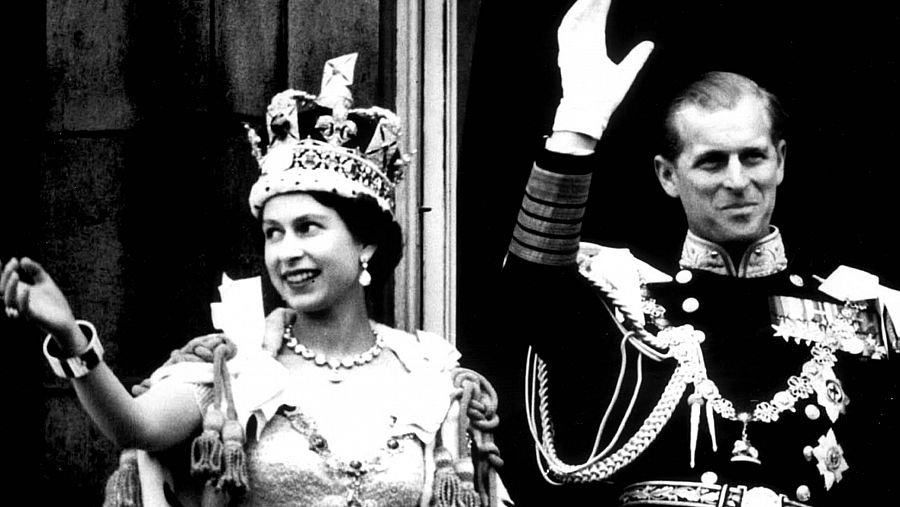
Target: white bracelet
[79, 365]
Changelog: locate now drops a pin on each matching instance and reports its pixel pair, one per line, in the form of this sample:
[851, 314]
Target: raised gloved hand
[593, 86]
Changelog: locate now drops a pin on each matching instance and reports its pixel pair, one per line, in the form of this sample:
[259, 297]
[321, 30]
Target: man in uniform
[729, 384]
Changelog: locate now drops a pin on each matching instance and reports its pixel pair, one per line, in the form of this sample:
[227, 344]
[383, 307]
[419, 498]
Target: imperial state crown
[319, 143]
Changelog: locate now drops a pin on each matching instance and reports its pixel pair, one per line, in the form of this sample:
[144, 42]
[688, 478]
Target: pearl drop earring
[365, 278]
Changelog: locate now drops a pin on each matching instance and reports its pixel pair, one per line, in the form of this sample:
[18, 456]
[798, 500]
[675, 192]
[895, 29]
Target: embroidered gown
[369, 443]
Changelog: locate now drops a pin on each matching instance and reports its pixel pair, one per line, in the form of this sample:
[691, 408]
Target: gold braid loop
[678, 343]
[198, 350]
[599, 469]
[479, 403]
[478, 419]
[203, 348]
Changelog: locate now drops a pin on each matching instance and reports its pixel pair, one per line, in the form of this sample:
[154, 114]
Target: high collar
[762, 258]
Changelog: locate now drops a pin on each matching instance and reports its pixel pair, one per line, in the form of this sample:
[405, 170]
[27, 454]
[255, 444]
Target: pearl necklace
[334, 364]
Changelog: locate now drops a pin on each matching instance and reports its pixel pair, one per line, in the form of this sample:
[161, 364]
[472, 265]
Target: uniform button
[690, 305]
[803, 493]
[709, 478]
[684, 276]
[808, 453]
[797, 280]
[812, 412]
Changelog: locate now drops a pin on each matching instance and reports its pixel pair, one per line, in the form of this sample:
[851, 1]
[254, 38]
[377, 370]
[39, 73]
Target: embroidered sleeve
[548, 227]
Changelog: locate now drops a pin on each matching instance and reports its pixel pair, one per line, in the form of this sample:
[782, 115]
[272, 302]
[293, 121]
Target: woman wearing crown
[335, 409]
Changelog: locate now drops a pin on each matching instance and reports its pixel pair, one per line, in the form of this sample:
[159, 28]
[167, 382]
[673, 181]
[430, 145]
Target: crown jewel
[318, 143]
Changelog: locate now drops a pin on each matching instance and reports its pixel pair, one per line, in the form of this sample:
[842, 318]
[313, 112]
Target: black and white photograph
[474, 253]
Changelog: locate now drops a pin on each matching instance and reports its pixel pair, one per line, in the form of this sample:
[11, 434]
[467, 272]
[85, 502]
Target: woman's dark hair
[370, 225]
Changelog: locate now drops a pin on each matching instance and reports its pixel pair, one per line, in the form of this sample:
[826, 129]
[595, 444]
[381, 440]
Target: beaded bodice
[340, 444]
[294, 464]
[367, 440]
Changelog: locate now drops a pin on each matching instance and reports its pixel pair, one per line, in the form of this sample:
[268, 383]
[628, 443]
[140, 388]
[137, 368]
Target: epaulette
[618, 270]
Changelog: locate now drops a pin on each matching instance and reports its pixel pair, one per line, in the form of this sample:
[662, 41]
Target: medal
[743, 450]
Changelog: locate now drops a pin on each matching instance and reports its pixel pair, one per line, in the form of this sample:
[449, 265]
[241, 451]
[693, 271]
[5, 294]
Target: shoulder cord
[232, 477]
[644, 341]
[470, 481]
[208, 449]
[601, 465]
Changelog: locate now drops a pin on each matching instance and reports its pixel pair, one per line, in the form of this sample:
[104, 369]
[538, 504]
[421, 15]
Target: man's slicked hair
[715, 91]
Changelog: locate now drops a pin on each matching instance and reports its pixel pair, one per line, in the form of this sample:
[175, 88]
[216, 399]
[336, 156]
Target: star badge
[830, 459]
[830, 393]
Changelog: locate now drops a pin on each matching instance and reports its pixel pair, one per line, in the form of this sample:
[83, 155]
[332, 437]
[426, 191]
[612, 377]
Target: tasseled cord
[465, 469]
[218, 452]
[123, 488]
[206, 449]
[234, 470]
[470, 480]
[446, 482]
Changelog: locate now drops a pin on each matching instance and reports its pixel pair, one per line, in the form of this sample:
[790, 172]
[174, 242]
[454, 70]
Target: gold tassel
[206, 449]
[213, 496]
[234, 470]
[711, 424]
[468, 497]
[695, 401]
[446, 483]
[123, 488]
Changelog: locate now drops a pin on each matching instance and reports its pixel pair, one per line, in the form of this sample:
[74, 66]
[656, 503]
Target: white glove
[593, 86]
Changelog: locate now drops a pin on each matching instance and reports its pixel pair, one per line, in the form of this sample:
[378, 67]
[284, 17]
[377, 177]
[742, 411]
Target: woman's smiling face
[312, 258]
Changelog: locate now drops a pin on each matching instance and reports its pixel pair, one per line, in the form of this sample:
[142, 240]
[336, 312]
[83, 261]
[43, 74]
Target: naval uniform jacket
[823, 451]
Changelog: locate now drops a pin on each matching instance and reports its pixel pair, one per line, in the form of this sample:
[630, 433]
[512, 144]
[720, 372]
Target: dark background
[835, 70]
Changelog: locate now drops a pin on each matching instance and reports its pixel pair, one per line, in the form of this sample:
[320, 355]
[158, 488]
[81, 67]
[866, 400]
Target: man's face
[727, 173]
